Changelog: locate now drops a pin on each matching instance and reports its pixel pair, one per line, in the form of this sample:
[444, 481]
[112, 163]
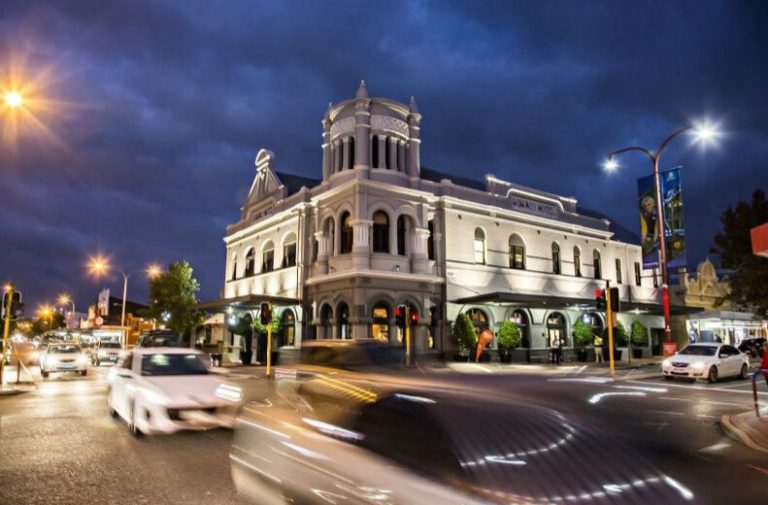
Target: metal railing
[760, 372]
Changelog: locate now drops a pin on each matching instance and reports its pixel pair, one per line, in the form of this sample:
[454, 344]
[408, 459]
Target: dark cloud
[164, 105]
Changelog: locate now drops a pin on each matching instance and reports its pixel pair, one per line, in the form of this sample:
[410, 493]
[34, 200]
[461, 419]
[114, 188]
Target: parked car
[706, 361]
[164, 390]
[410, 448]
[63, 357]
[159, 338]
[106, 352]
[753, 346]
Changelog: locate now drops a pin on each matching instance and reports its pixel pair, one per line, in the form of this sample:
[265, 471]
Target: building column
[419, 261]
[361, 248]
[393, 144]
[401, 162]
[382, 161]
[362, 129]
[322, 252]
[414, 141]
[327, 150]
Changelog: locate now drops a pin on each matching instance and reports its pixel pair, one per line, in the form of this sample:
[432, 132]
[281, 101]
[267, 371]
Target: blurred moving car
[106, 352]
[752, 346]
[164, 390]
[409, 448]
[159, 338]
[63, 358]
[706, 361]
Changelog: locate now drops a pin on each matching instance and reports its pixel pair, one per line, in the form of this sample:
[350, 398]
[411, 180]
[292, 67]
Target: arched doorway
[594, 321]
[342, 321]
[288, 329]
[246, 339]
[479, 319]
[326, 321]
[380, 322]
[556, 329]
[520, 318]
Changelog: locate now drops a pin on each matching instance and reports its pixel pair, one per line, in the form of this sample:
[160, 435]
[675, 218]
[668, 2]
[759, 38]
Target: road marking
[644, 388]
[702, 388]
[716, 447]
[707, 416]
[596, 398]
[592, 380]
[666, 412]
[759, 469]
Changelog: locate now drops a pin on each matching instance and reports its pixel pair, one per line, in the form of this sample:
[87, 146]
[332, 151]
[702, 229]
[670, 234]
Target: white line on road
[593, 380]
[644, 388]
[666, 412]
[702, 388]
[716, 447]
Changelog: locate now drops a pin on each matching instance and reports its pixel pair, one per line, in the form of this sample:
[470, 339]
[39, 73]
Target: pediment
[265, 182]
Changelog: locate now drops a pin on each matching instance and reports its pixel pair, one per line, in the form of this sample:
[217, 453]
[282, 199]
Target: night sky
[149, 114]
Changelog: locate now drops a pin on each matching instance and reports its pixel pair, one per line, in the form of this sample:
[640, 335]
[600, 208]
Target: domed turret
[366, 134]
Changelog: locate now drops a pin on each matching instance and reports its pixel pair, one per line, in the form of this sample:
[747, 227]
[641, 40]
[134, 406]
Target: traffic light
[615, 301]
[434, 316]
[414, 317]
[17, 308]
[600, 299]
[400, 316]
[265, 313]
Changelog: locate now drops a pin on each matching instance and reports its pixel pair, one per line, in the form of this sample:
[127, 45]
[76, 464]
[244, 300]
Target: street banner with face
[674, 231]
[485, 338]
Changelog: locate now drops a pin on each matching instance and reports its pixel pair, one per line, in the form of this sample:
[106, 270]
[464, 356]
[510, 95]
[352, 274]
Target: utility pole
[408, 336]
[6, 328]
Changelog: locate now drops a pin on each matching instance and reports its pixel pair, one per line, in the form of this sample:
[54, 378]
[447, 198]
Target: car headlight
[51, 361]
[667, 362]
[83, 359]
[699, 365]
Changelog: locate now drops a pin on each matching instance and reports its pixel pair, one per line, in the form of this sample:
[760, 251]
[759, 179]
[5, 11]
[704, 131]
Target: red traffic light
[599, 293]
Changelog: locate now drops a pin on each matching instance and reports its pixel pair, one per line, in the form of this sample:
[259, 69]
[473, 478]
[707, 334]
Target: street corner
[13, 390]
[747, 427]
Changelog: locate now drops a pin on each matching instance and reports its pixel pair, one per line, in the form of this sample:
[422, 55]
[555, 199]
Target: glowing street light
[99, 265]
[46, 311]
[65, 299]
[13, 99]
[703, 133]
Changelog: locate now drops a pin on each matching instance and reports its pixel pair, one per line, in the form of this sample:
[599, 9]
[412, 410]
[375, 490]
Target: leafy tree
[275, 323]
[639, 334]
[582, 333]
[620, 336]
[464, 335]
[733, 245]
[172, 298]
[509, 335]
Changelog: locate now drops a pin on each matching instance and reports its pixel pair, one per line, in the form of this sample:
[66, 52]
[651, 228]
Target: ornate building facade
[379, 230]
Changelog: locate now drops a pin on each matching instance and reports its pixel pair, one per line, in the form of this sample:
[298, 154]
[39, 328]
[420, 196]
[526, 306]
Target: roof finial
[362, 91]
[412, 106]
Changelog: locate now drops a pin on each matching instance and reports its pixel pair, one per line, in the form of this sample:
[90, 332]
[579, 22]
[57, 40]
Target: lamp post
[99, 266]
[65, 299]
[703, 133]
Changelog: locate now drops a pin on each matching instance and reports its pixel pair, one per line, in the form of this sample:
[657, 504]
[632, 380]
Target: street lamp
[13, 99]
[65, 299]
[99, 265]
[46, 311]
[703, 133]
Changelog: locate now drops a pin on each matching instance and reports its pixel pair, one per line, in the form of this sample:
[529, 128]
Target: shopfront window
[380, 324]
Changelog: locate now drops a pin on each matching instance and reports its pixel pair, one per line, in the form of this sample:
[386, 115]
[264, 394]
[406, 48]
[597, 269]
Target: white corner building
[336, 256]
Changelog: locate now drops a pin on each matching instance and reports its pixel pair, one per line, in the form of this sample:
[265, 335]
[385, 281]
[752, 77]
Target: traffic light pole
[609, 322]
[269, 343]
[407, 336]
[6, 329]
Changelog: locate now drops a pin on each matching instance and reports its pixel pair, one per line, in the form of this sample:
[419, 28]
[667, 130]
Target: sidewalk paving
[750, 429]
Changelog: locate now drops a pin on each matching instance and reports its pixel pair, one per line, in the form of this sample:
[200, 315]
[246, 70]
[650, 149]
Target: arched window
[576, 261]
[520, 318]
[401, 231]
[555, 258]
[289, 251]
[596, 264]
[594, 321]
[375, 151]
[380, 232]
[516, 252]
[351, 152]
[479, 319]
[326, 320]
[330, 233]
[346, 233]
[288, 328]
[431, 240]
[268, 257]
[380, 324]
[250, 263]
[618, 271]
[342, 322]
[234, 267]
[479, 246]
[556, 329]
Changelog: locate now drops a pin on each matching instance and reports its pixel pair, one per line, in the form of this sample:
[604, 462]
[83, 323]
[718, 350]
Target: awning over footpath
[246, 302]
[562, 302]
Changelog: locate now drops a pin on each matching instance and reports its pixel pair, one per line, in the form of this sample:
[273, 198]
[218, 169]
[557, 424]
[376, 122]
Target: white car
[63, 358]
[106, 352]
[166, 389]
[706, 361]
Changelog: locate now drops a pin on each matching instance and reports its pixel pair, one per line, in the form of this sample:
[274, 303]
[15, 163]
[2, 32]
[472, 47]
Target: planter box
[637, 353]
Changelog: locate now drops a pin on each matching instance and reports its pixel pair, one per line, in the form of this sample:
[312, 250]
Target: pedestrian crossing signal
[17, 308]
[600, 299]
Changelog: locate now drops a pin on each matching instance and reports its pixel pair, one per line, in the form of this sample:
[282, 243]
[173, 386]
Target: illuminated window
[346, 233]
[268, 258]
[516, 252]
[250, 263]
[380, 324]
[289, 251]
[479, 246]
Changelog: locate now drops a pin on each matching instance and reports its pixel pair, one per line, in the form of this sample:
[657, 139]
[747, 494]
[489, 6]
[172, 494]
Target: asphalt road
[58, 445]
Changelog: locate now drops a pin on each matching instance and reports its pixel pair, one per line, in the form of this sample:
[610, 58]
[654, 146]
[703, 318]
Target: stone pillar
[419, 262]
[382, 161]
[414, 142]
[361, 249]
[393, 143]
[345, 165]
[322, 252]
[327, 150]
[401, 156]
[362, 129]
[336, 154]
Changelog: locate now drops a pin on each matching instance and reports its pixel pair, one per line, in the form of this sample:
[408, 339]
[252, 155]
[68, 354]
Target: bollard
[759, 371]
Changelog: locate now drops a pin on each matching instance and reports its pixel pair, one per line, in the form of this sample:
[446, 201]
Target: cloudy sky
[149, 114]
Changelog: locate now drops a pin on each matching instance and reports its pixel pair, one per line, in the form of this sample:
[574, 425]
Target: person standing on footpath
[764, 362]
[598, 343]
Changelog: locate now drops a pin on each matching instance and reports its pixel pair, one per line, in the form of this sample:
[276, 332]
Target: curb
[15, 391]
[731, 429]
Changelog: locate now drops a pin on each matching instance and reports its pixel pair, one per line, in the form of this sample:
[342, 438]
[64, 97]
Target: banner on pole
[674, 231]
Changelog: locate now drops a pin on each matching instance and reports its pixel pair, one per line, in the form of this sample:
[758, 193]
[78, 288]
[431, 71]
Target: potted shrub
[639, 338]
[508, 339]
[582, 337]
[620, 339]
[464, 336]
